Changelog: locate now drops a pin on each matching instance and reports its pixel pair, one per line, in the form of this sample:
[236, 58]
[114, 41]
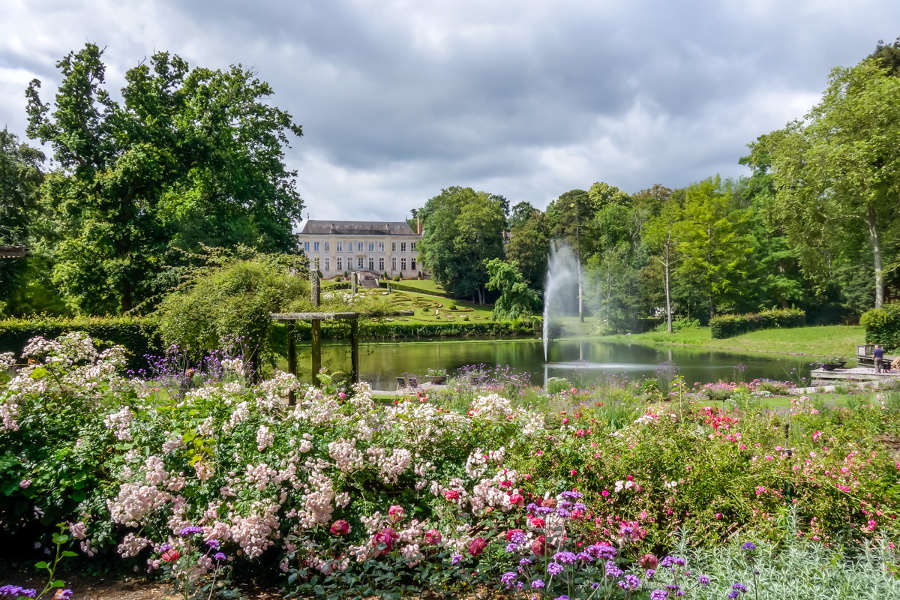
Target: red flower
[432, 536]
[385, 538]
[516, 498]
[537, 522]
[170, 555]
[539, 546]
[340, 527]
[451, 495]
[477, 546]
[648, 561]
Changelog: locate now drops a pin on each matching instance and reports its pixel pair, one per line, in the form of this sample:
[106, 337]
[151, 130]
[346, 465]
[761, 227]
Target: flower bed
[340, 494]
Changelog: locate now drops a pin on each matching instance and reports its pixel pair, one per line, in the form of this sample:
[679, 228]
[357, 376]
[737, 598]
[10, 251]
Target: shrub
[233, 301]
[883, 326]
[725, 326]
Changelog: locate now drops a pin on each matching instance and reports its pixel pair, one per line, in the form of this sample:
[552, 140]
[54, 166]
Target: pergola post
[315, 331]
[354, 349]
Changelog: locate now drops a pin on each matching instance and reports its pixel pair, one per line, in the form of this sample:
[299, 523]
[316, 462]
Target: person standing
[878, 353]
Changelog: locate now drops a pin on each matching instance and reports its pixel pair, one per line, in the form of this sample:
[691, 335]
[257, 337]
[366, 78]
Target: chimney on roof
[418, 225]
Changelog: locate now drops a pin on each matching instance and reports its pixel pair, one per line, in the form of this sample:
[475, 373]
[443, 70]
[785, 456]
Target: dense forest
[815, 225]
[138, 191]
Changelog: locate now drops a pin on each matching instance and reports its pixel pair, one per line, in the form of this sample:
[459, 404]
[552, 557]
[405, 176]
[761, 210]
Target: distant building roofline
[320, 227]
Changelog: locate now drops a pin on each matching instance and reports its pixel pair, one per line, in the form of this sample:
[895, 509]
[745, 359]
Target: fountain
[560, 287]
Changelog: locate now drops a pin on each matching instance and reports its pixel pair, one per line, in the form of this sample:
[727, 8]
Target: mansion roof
[357, 228]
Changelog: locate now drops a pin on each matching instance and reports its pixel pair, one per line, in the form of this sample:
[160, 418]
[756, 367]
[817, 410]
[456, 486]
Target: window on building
[315, 246]
[371, 246]
[371, 264]
[412, 246]
[349, 246]
[340, 264]
[306, 247]
[326, 247]
[381, 246]
[393, 246]
[412, 263]
[402, 246]
[359, 246]
[359, 262]
[381, 264]
[402, 264]
[340, 248]
[393, 264]
[328, 265]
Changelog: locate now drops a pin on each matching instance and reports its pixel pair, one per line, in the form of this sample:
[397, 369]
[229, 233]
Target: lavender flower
[511, 547]
[213, 544]
[630, 582]
[659, 595]
[739, 587]
[612, 570]
[508, 578]
[566, 558]
[455, 559]
[219, 556]
[703, 580]
[537, 584]
[524, 562]
[554, 568]
[15, 591]
[193, 529]
[748, 546]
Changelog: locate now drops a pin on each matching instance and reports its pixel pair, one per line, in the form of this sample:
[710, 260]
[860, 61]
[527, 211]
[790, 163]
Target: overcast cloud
[399, 99]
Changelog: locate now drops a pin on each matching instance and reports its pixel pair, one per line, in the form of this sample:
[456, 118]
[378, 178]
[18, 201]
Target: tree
[712, 245]
[20, 180]
[190, 157]
[660, 238]
[888, 56]
[462, 229]
[529, 244]
[837, 171]
[516, 298]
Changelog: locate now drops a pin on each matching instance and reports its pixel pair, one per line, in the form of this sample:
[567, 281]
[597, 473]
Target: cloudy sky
[399, 99]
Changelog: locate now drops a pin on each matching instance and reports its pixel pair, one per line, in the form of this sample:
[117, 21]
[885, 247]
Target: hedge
[137, 334]
[725, 326]
[883, 326]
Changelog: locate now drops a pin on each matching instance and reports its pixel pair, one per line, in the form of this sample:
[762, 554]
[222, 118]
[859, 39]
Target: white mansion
[377, 247]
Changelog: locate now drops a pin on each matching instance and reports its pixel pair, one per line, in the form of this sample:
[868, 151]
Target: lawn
[426, 285]
[429, 308]
[818, 341]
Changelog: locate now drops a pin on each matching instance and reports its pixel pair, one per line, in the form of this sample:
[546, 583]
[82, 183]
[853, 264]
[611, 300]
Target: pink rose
[516, 499]
[385, 538]
[24, 483]
[477, 546]
[395, 512]
[340, 527]
[451, 495]
[539, 545]
[433, 536]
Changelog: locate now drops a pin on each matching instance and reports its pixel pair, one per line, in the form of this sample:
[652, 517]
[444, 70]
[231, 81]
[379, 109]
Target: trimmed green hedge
[137, 334]
[882, 326]
[725, 326]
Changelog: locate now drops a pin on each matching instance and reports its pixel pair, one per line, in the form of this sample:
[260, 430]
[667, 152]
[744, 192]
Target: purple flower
[532, 507]
[733, 594]
[739, 587]
[537, 584]
[703, 580]
[543, 510]
[659, 595]
[511, 547]
[585, 557]
[524, 562]
[219, 556]
[566, 558]
[612, 570]
[572, 495]
[630, 582]
[508, 578]
[603, 551]
[16, 591]
[455, 559]
[554, 568]
[193, 529]
[649, 573]
[748, 546]
[213, 544]
[563, 597]
[563, 513]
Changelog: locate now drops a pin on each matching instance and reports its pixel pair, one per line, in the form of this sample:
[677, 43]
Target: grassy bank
[816, 342]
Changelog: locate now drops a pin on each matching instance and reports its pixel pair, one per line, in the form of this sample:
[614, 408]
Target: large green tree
[837, 172]
[189, 157]
[462, 229]
[529, 243]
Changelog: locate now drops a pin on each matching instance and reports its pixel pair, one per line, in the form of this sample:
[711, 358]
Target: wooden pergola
[315, 319]
[13, 251]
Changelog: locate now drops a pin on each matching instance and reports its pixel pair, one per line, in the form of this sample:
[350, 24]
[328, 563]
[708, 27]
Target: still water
[582, 363]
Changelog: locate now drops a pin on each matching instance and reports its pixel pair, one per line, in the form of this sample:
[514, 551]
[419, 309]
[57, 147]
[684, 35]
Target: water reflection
[582, 362]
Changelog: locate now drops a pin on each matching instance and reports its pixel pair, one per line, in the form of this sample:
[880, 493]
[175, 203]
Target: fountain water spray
[560, 286]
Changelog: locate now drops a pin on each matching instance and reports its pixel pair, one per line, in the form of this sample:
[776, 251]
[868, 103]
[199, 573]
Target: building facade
[377, 247]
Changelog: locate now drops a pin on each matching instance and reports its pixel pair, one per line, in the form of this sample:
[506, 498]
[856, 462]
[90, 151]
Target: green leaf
[41, 565]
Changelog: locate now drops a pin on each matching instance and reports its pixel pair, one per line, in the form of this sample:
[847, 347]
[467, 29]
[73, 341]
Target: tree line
[816, 224]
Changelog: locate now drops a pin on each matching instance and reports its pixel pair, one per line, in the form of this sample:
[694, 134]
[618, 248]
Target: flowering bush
[341, 493]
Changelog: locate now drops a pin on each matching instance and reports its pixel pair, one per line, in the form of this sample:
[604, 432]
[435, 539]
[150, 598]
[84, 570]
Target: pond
[581, 362]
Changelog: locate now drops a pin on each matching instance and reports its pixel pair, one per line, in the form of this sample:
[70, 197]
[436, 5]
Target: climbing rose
[340, 527]
[395, 512]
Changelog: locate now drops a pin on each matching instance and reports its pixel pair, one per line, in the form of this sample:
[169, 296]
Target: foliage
[138, 334]
[516, 298]
[837, 173]
[529, 243]
[725, 326]
[350, 496]
[189, 157]
[883, 326]
[462, 229]
[235, 302]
